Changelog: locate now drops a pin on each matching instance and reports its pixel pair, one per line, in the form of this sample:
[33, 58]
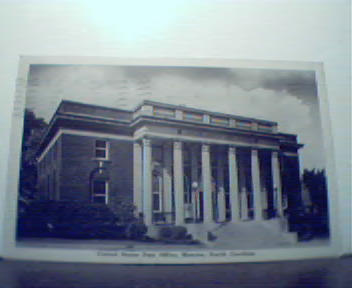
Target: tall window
[157, 188]
[101, 149]
[100, 191]
[187, 186]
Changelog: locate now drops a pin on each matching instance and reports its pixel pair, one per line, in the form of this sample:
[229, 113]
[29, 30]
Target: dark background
[320, 273]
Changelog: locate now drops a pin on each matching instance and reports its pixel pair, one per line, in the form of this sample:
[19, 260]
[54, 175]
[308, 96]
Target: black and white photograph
[172, 158]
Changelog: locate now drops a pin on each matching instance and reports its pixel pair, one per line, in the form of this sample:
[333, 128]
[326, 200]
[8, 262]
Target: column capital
[178, 145]
[274, 154]
[254, 151]
[146, 142]
[205, 147]
[136, 144]
[232, 149]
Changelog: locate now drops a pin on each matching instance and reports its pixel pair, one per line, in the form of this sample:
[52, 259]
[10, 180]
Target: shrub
[89, 231]
[165, 233]
[69, 219]
[136, 231]
[173, 233]
[124, 210]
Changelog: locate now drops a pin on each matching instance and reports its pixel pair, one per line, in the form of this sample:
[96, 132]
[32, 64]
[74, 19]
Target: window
[156, 202]
[101, 149]
[100, 191]
[265, 128]
[193, 116]
[243, 124]
[157, 188]
[187, 188]
[219, 121]
[164, 112]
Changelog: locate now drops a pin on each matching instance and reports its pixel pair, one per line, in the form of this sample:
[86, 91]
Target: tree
[33, 129]
[315, 182]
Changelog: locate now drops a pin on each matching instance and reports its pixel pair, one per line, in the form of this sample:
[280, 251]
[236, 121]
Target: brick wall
[78, 162]
[49, 173]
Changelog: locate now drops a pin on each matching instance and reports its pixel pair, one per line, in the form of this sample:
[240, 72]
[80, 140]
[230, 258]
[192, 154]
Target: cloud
[297, 83]
[287, 97]
[300, 84]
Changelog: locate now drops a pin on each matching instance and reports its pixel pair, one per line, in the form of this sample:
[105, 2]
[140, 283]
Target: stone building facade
[176, 164]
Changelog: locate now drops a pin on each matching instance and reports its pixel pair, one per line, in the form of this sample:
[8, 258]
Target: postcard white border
[11, 251]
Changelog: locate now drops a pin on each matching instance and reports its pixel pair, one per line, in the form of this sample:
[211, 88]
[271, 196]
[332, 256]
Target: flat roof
[172, 106]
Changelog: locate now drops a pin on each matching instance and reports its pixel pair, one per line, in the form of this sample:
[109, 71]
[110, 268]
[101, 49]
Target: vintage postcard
[169, 161]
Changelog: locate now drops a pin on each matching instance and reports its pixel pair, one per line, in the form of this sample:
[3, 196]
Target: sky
[288, 97]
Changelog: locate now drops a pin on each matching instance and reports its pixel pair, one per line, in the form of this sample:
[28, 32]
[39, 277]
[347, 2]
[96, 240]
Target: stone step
[254, 234]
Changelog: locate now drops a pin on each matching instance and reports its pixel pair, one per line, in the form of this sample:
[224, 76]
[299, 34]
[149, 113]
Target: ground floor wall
[112, 171]
[80, 171]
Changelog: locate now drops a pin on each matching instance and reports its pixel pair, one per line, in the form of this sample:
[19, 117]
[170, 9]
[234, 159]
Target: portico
[195, 166]
[191, 182]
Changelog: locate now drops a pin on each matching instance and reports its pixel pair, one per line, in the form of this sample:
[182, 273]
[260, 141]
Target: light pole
[195, 194]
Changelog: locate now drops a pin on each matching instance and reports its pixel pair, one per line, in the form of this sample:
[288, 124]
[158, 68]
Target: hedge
[73, 219]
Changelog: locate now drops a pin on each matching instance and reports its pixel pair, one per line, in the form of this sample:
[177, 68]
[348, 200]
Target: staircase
[244, 235]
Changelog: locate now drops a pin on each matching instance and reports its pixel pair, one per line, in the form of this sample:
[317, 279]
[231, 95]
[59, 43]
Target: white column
[206, 180]
[178, 184]
[233, 180]
[258, 210]
[243, 191]
[147, 182]
[275, 166]
[167, 179]
[194, 177]
[137, 177]
[221, 190]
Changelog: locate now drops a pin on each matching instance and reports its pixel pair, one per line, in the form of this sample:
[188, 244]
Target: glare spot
[132, 20]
